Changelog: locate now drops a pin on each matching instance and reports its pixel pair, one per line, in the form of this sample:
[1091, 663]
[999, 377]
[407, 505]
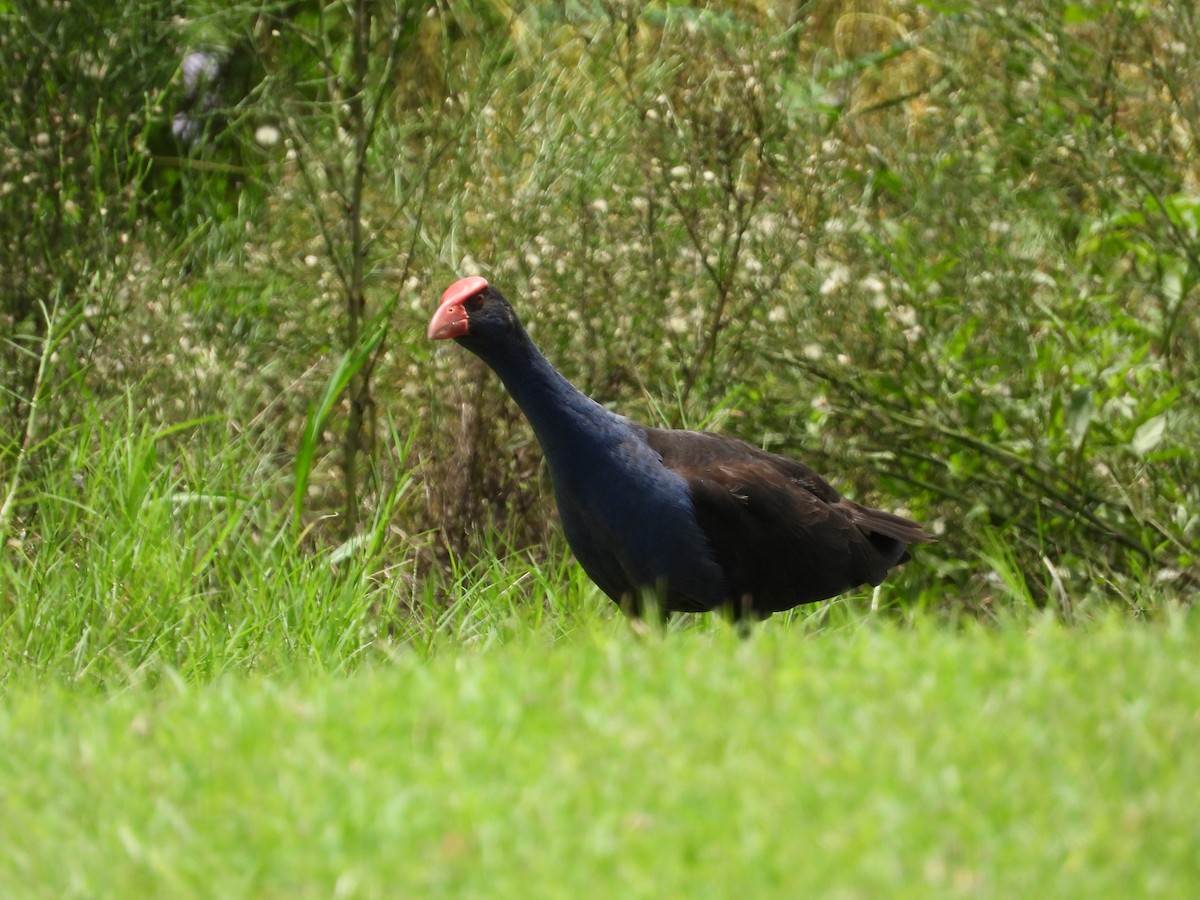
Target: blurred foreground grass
[868, 759]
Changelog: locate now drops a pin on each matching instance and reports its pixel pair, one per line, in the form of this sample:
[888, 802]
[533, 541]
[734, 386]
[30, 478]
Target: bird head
[472, 312]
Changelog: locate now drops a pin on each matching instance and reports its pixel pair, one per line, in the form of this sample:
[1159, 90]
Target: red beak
[450, 320]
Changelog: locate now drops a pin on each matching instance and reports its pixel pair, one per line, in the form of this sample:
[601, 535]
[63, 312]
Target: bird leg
[742, 615]
[645, 610]
[638, 626]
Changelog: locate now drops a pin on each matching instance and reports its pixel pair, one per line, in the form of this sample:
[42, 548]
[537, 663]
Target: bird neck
[565, 420]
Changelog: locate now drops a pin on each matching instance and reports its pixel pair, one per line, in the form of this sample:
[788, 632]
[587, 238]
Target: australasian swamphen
[700, 521]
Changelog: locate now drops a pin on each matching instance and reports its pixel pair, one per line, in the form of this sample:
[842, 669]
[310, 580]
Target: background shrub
[947, 254]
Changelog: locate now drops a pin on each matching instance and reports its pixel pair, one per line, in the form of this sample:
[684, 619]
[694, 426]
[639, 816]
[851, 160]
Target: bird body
[703, 520]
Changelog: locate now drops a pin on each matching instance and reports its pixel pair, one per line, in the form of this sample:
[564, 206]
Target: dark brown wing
[781, 534]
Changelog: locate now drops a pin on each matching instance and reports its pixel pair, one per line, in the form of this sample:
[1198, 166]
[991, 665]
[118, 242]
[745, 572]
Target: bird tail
[876, 522]
[889, 534]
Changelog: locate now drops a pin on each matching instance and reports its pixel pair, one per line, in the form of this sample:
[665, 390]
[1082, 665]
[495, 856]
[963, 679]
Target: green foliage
[148, 550]
[946, 254]
[78, 109]
[83, 83]
[348, 367]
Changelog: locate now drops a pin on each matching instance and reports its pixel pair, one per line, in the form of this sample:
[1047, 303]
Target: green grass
[955, 273]
[867, 759]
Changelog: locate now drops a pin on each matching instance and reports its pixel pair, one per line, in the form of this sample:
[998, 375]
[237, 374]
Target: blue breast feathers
[631, 524]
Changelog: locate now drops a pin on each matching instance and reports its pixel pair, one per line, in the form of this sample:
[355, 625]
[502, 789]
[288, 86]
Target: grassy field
[862, 758]
[285, 610]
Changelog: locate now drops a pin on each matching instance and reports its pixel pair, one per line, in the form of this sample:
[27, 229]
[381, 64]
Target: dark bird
[699, 521]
